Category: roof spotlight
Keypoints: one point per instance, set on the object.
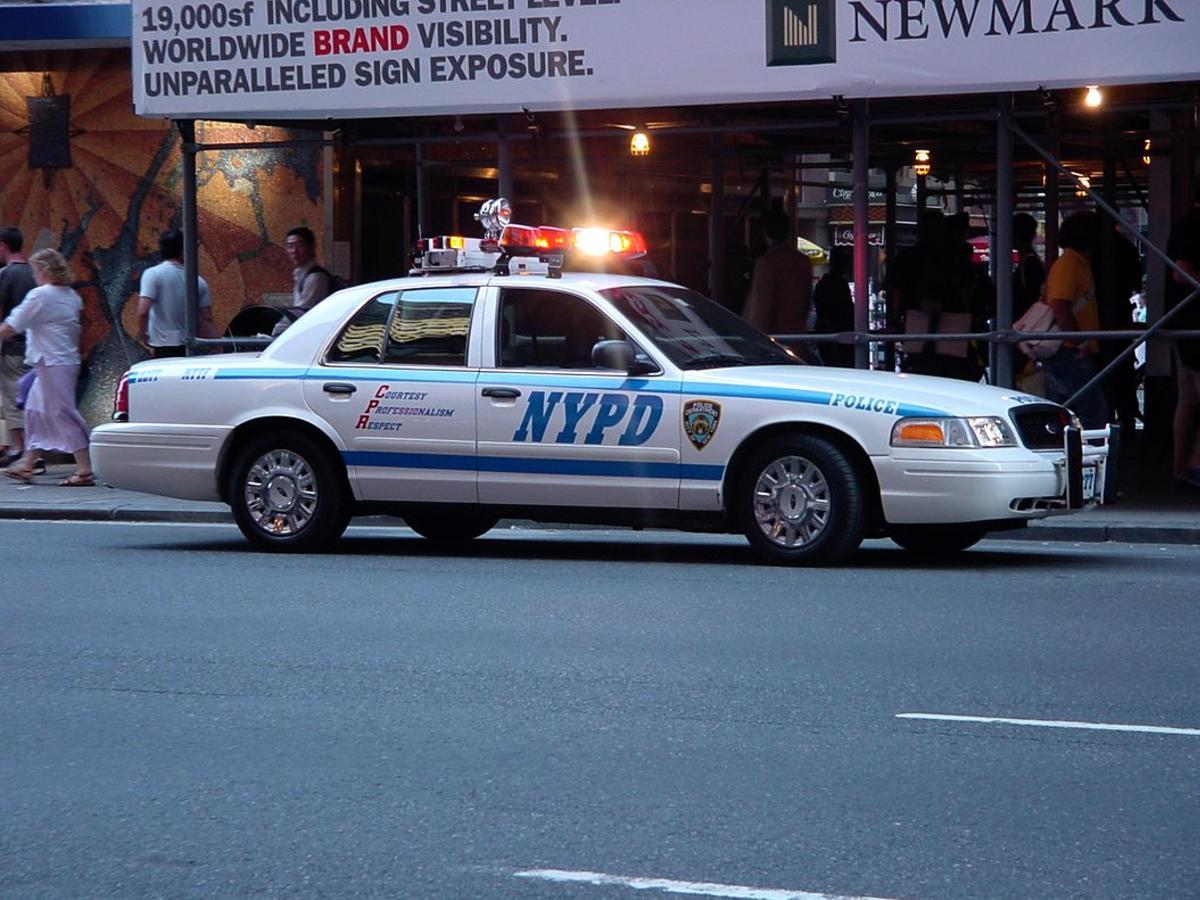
(494, 215)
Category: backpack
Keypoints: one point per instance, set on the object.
(336, 282)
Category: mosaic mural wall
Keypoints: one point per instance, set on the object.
(80, 173)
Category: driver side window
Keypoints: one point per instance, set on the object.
(540, 329)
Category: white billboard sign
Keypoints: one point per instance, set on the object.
(282, 59)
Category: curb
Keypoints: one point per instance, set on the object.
(1116, 534)
(117, 514)
(1083, 534)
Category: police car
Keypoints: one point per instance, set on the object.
(490, 383)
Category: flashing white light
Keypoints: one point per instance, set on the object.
(592, 241)
(1094, 98)
(639, 144)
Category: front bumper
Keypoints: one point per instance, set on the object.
(170, 460)
(940, 486)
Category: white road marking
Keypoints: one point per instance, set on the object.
(1051, 723)
(666, 885)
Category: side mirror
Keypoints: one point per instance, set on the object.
(619, 355)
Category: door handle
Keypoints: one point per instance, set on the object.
(340, 388)
(501, 393)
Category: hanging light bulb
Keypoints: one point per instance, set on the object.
(922, 166)
(639, 144)
(1094, 98)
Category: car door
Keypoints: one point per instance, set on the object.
(556, 430)
(396, 385)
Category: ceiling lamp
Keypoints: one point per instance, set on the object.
(639, 144)
(1094, 98)
(922, 166)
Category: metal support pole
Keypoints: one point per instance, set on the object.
(1052, 205)
(1002, 242)
(1158, 359)
(191, 255)
(422, 194)
(890, 215)
(922, 194)
(716, 225)
(862, 215)
(504, 159)
(1108, 239)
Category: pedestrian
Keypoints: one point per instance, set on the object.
(1071, 294)
(311, 282)
(1183, 246)
(162, 304)
(781, 286)
(1030, 274)
(50, 317)
(835, 308)
(16, 280)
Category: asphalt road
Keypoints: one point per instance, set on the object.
(181, 716)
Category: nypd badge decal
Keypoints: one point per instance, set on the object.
(700, 421)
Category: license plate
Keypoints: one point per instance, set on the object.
(1089, 483)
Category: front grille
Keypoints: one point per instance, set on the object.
(1041, 426)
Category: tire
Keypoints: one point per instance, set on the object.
(288, 493)
(936, 540)
(799, 503)
(450, 525)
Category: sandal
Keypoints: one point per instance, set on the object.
(21, 475)
(78, 480)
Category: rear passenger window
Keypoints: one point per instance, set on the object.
(430, 327)
(361, 341)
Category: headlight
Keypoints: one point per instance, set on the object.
(977, 431)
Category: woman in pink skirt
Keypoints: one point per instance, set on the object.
(49, 316)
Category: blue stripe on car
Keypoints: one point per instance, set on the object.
(532, 466)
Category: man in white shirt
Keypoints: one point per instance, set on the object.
(162, 317)
(311, 282)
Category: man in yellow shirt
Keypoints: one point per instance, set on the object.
(1071, 294)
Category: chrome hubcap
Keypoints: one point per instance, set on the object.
(791, 502)
(281, 492)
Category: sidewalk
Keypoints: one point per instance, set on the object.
(1149, 512)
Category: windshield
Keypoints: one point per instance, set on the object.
(693, 331)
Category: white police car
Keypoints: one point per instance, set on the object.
(458, 398)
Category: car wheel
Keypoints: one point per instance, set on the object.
(451, 526)
(287, 493)
(932, 540)
(799, 502)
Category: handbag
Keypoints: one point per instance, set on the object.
(1039, 317)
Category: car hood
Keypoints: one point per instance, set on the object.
(898, 393)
